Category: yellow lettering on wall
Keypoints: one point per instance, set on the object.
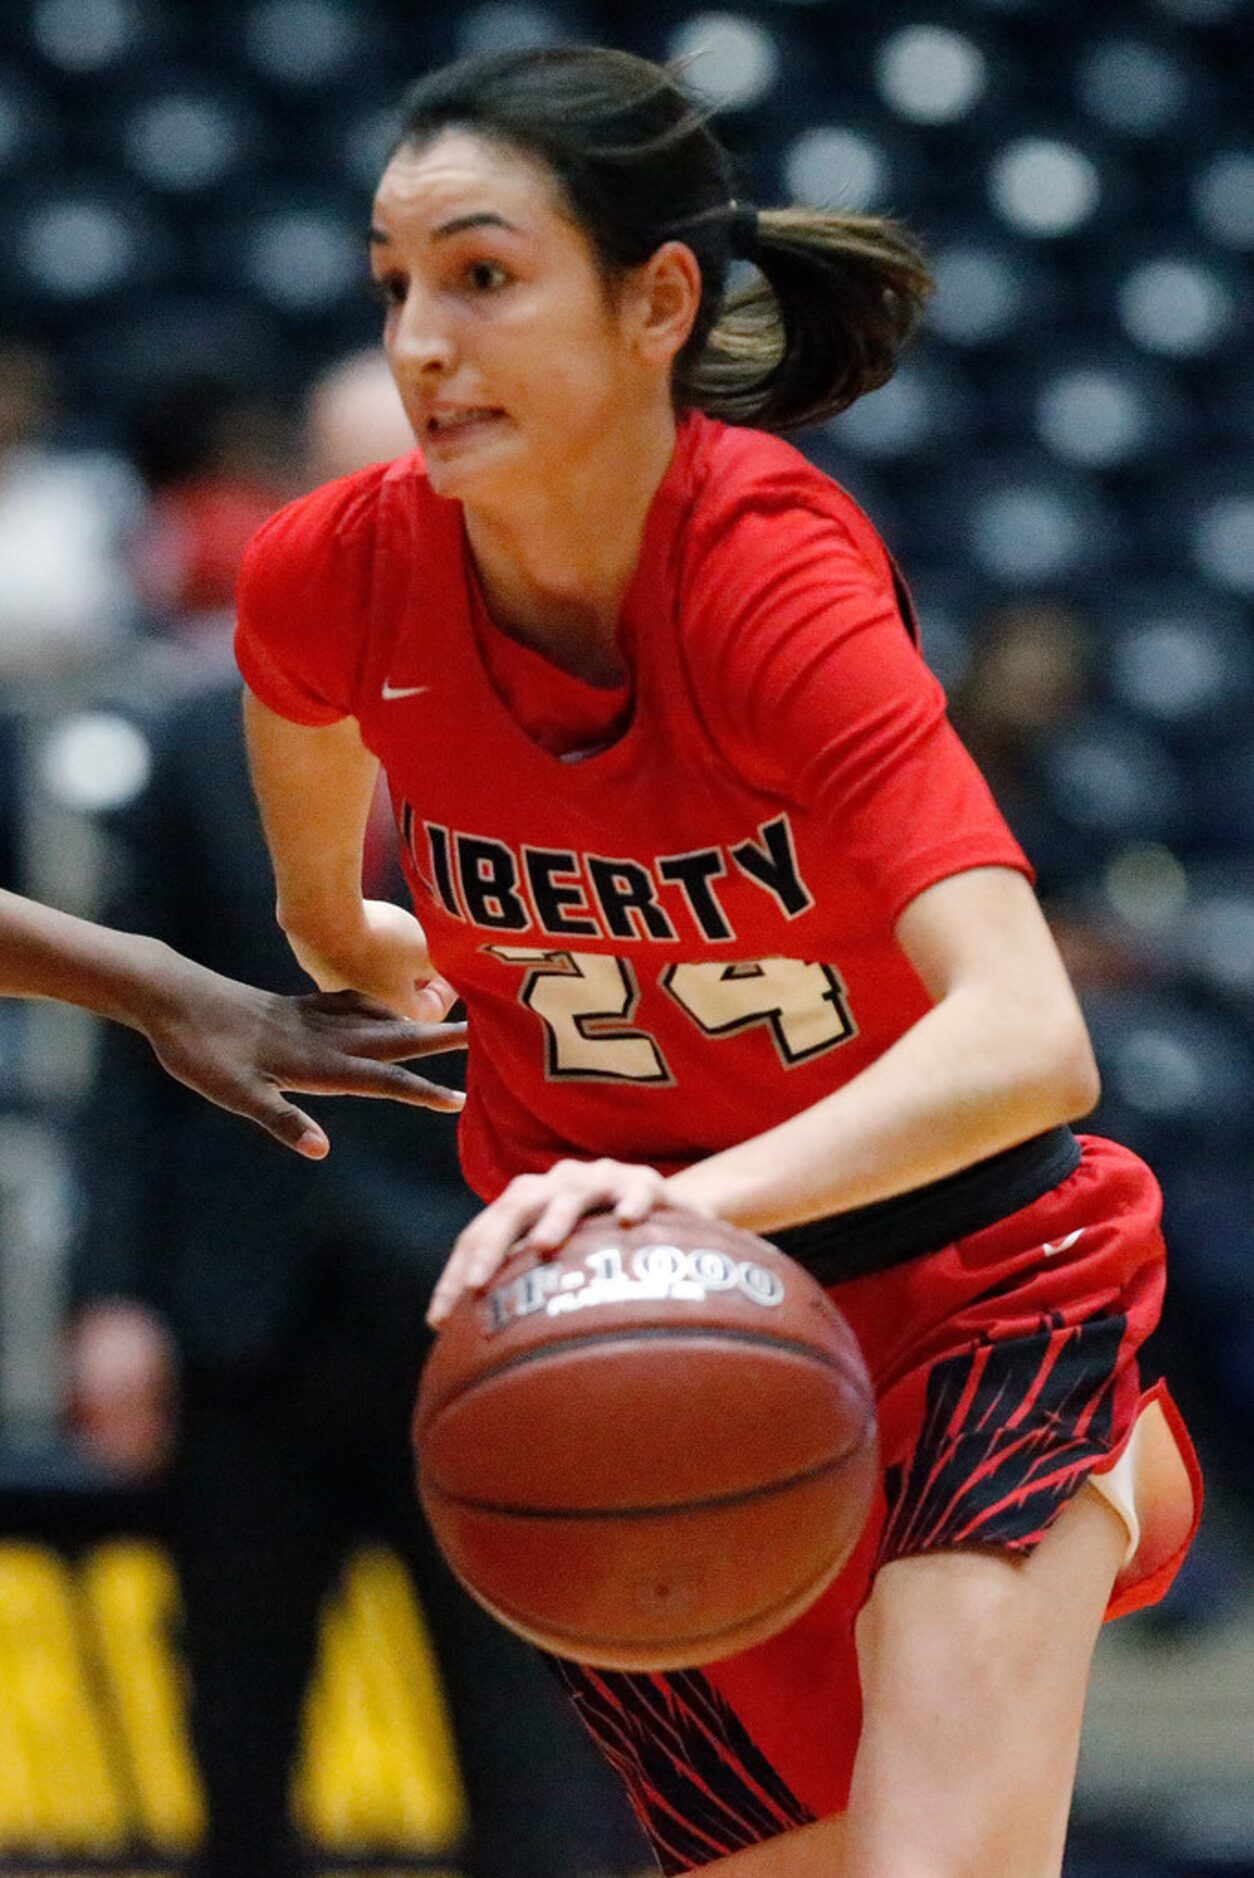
(94, 1749)
(131, 1595)
(60, 1786)
(378, 1767)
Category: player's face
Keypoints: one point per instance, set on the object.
(510, 354)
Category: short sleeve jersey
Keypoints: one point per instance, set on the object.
(672, 941)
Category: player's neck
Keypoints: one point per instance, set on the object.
(555, 566)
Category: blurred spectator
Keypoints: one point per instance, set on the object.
(217, 463)
(354, 417)
(256, 1329)
(65, 514)
(1028, 680)
(1027, 677)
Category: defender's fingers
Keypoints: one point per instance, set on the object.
(400, 1040)
(386, 1082)
(289, 1125)
(347, 1004)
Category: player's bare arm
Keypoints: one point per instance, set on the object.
(1003, 1055)
(314, 787)
(238, 1046)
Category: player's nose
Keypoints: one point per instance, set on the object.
(421, 344)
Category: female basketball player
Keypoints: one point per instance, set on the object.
(234, 1044)
(737, 927)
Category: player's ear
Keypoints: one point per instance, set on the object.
(663, 300)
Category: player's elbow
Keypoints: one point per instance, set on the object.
(1046, 1071)
(1064, 1069)
(1080, 1082)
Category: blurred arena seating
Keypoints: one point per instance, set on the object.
(184, 189)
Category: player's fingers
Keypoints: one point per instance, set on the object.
(289, 1125)
(388, 1082)
(434, 1000)
(447, 1291)
(539, 1215)
(400, 1040)
(638, 1199)
(560, 1217)
(482, 1248)
(489, 1251)
(497, 1227)
(455, 1280)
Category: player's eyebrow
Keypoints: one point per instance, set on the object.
(482, 218)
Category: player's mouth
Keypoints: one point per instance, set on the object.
(454, 424)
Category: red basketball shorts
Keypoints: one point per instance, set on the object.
(1006, 1375)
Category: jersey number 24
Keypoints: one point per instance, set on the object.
(587, 1000)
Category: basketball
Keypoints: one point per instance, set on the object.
(650, 1451)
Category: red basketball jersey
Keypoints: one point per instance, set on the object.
(677, 940)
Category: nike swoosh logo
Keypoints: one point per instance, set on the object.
(391, 691)
(1052, 1247)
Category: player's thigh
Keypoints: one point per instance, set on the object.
(817, 1851)
(974, 1670)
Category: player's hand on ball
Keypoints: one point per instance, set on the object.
(540, 1211)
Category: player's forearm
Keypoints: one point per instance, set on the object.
(980, 1072)
(45, 953)
(324, 944)
(320, 908)
(314, 787)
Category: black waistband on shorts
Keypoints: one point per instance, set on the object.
(910, 1225)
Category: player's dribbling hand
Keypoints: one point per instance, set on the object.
(539, 1212)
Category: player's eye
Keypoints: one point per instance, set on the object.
(389, 289)
(486, 276)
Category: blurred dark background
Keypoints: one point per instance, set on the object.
(1062, 467)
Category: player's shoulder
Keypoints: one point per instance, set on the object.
(325, 543)
(756, 496)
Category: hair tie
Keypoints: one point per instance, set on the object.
(743, 228)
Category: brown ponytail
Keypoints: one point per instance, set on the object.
(837, 295)
(836, 298)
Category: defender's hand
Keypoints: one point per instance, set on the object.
(241, 1047)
